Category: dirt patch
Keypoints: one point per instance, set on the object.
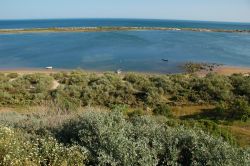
(181, 111)
(55, 85)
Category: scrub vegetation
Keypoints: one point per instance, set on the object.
(126, 119)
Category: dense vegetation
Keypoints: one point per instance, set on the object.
(135, 124)
(134, 90)
(191, 67)
(109, 138)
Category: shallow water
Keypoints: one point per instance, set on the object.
(128, 50)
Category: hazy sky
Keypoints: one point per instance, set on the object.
(216, 10)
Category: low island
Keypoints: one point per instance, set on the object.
(103, 29)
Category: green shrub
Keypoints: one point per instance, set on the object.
(212, 128)
(17, 149)
(78, 88)
(136, 112)
(237, 109)
(163, 109)
(110, 138)
(191, 67)
(212, 88)
(12, 75)
(113, 140)
(28, 89)
(241, 85)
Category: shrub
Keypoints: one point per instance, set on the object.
(212, 88)
(28, 89)
(136, 112)
(163, 109)
(237, 109)
(212, 128)
(135, 90)
(241, 85)
(191, 67)
(17, 149)
(113, 140)
(12, 75)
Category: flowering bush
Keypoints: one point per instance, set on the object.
(17, 149)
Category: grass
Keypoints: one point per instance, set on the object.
(239, 130)
(187, 110)
(242, 135)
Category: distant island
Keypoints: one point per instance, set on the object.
(103, 29)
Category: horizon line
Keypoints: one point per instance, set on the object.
(75, 18)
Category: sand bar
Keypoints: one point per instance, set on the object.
(103, 29)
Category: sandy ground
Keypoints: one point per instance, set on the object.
(55, 85)
(223, 70)
(23, 71)
(227, 70)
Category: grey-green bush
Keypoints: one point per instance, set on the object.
(110, 139)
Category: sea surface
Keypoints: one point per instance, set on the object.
(141, 51)
(13, 24)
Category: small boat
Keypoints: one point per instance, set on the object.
(49, 67)
(165, 60)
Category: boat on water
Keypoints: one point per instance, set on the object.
(165, 60)
(49, 67)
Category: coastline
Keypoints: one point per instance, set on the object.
(23, 71)
(221, 70)
(109, 29)
(229, 70)
(226, 70)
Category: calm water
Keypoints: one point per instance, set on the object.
(130, 51)
(10, 24)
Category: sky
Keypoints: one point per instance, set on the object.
(209, 10)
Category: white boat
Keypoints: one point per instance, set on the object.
(49, 67)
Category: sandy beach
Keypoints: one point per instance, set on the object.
(226, 70)
(23, 71)
(229, 70)
(222, 70)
